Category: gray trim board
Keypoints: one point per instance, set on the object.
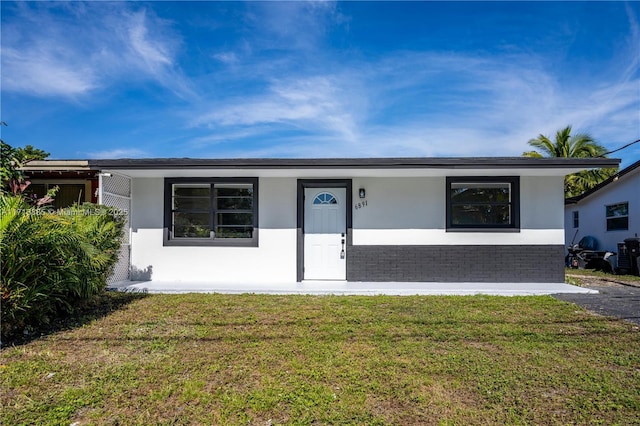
(353, 163)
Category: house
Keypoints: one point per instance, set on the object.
(77, 182)
(610, 212)
(344, 220)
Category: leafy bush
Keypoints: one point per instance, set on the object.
(102, 229)
(52, 260)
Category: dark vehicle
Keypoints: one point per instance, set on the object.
(585, 255)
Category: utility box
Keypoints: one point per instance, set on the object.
(624, 260)
(633, 250)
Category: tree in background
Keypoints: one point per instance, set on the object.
(29, 153)
(11, 160)
(565, 145)
(9, 167)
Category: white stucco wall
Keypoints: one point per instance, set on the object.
(411, 211)
(273, 261)
(592, 212)
(399, 211)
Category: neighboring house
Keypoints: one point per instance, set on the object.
(368, 219)
(77, 182)
(610, 212)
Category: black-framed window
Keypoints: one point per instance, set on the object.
(617, 216)
(576, 219)
(483, 203)
(211, 211)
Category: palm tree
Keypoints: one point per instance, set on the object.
(565, 145)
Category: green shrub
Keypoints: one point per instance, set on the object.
(52, 260)
(102, 229)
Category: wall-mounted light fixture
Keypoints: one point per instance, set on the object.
(361, 193)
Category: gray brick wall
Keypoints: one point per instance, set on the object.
(538, 263)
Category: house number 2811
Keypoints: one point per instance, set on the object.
(361, 204)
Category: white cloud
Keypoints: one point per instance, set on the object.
(633, 54)
(412, 102)
(226, 57)
(88, 51)
(276, 90)
(42, 72)
(312, 104)
(152, 52)
(299, 25)
(430, 104)
(118, 153)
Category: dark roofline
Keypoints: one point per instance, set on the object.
(357, 163)
(598, 187)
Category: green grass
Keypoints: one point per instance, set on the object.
(600, 274)
(257, 359)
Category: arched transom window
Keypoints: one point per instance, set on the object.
(325, 198)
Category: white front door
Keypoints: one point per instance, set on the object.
(325, 227)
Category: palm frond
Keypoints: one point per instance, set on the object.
(565, 145)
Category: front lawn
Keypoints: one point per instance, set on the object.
(604, 275)
(260, 360)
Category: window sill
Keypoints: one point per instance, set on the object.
(488, 230)
(203, 242)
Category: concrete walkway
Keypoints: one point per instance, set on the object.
(351, 288)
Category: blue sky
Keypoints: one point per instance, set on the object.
(317, 79)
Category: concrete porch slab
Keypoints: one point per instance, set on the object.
(351, 288)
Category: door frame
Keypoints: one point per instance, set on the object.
(320, 183)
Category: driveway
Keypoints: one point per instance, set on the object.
(614, 299)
